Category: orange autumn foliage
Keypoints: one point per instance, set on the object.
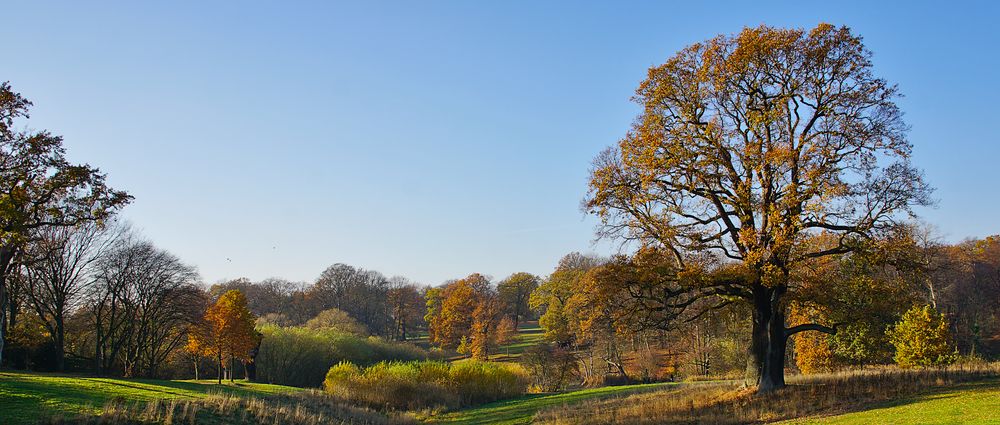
(226, 331)
(813, 353)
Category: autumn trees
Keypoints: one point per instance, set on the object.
(227, 332)
(474, 316)
(746, 146)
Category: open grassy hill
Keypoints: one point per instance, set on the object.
(26, 397)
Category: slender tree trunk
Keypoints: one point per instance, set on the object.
(220, 368)
(60, 345)
(6, 256)
(98, 350)
(195, 369)
(3, 314)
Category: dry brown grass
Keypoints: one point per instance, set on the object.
(304, 408)
(727, 403)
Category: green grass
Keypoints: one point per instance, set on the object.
(25, 396)
(973, 403)
(521, 410)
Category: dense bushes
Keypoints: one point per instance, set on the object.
(417, 385)
(301, 357)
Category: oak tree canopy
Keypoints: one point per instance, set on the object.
(747, 146)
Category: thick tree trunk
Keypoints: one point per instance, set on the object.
(766, 356)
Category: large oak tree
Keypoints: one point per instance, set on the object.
(747, 145)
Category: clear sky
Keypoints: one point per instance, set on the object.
(431, 139)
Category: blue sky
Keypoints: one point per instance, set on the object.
(431, 139)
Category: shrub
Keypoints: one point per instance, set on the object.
(551, 367)
(921, 338)
(336, 320)
(426, 384)
(301, 357)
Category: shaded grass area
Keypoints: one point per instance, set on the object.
(25, 397)
(521, 410)
(972, 403)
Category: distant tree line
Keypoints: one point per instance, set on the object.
(386, 307)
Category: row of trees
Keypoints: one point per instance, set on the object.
(904, 298)
(387, 307)
(104, 296)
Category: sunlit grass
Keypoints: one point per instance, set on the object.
(973, 403)
(26, 396)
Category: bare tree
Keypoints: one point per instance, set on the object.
(59, 266)
(142, 302)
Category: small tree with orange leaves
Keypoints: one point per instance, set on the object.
(228, 329)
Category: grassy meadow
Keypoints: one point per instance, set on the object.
(26, 397)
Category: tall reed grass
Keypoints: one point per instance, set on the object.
(305, 408)
(300, 357)
(426, 384)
